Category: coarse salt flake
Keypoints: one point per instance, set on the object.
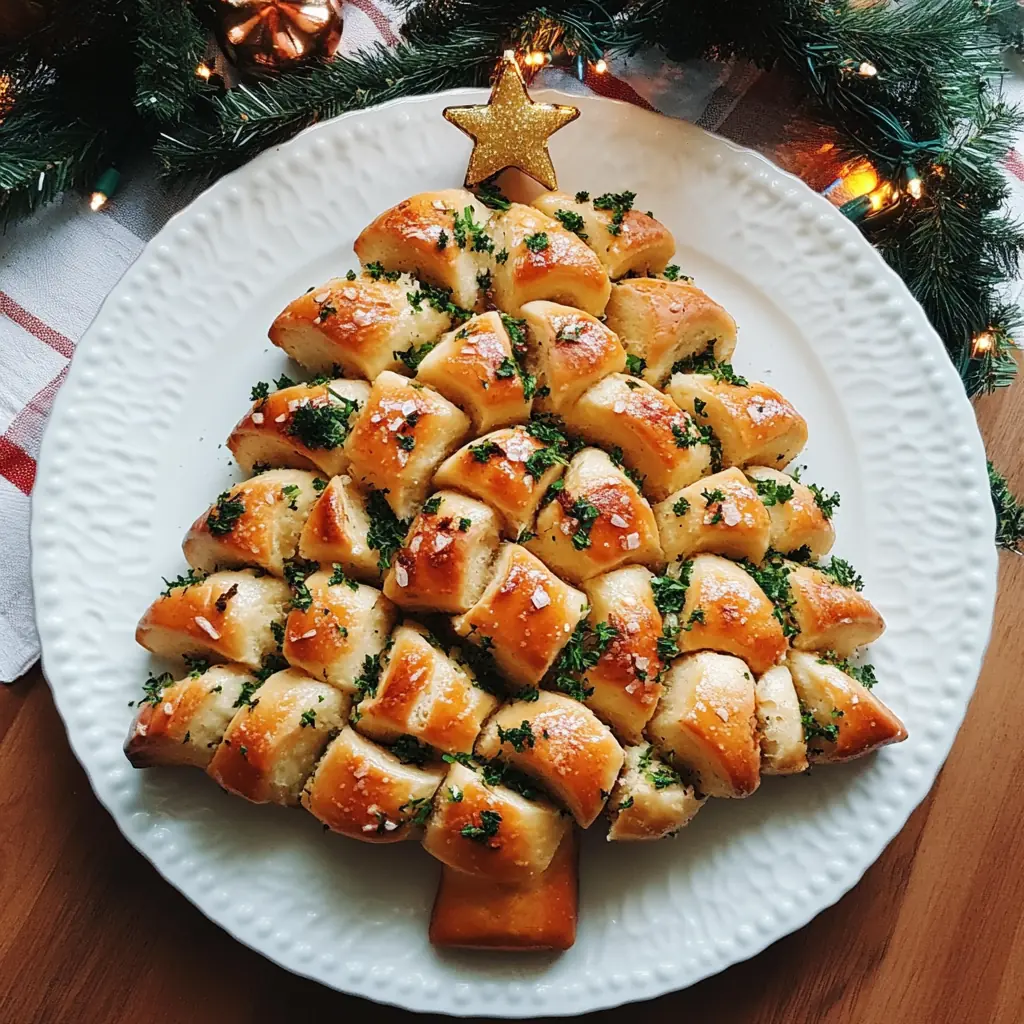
(257, 417)
(308, 634)
(518, 449)
(168, 707)
(321, 296)
(617, 520)
(730, 514)
(619, 406)
(401, 575)
(390, 826)
(207, 627)
(349, 293)
(417, 543)
(722, 713)
(631, 541)
(281, 418)
(408, 406)
(540, 598)
(441, 542)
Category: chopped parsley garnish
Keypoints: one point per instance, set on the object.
(483, 280)
(290, 492)
(525, 536)
(501, 257)
(248, 689)
(635, 365)
(699, 405)
(687, 435)
(671, 272)
(369, 676)
(387, 532)
(439, 299)
(338, 578)
(715, 497)
(327, 310)
(615, 454)
(771, 492)
(350, 275)
(405, 441)
(585, 513)
(618, 203)
(583, 651)
(814, 730)
(864, 674)
(224, 514)
(483, 451)
(260, 391)
(284, 381)
(658, 775)
(552, 492)
(626, 804)
(506, 368)
(413, 356)
(529, 694)
(319, 484)
(271, 663)
(706, 364)
(570, 333)
(308, 717)
(572, 221)
(190, 579)
(536, 242)
(154, 686)
(454, 795)
(490, 821)
(496, 773)
(410, 750)
(515, 328)
(442, 239)
(518, 738)
(670, 591)
(376, 271)
(468, 232)
(491, 196)
(681, 506)
(260, 467)
(772, 576)
(828, 503)
(840, 571)
(296, 570)
(277, 631)
(195, 664)
(419, 808)
(582, 197)
(323, 426)
(464, 524)
(431, 506)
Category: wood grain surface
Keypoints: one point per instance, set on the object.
(934, 933)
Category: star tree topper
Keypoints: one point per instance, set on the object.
(510, 130)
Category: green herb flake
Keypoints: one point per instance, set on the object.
(387, 532)
(222, 518)
(536, 242)
(308, 717)
(828, 503)
(290, 492)
(635, 366)
(518, 738)
(572, 221)
(490, 821)
(619, 203)
(338, 578)
(681, 506)
(771, 492)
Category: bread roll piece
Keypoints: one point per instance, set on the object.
(848, 719)
(705, 723)
(783, 750)
(476, 367)
(302, 427)
(425, 694)
(721, 514)
(569, 351)
(562, 744)
(358, 325)
(228, 616)
(491, 830)
(182, 723)
(650, 800)
(544, 261)
(663, 321)
(830, 617)
(274, 741)
(256, 522)
(625, 682)
(725, 610)
(796, 519)
(597, 522)
(753, 423)
(471, 912)
(345, 623)
(500, 469)
(363, 791)
(658, 440)
(524, 617)
(638, 244)
(445, 562)
(445, 238)
(337, 530)
(401, 436)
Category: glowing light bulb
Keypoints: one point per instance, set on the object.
(915, 187)
(601, 66)
(203, 71)
(860, 179)
(867, 69)
(97, 201)
(983, 343)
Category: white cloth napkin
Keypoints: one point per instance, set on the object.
(56, 269)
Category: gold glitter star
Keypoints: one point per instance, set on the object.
(510, 130)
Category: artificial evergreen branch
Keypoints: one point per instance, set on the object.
(170, 42)
(1009, 512)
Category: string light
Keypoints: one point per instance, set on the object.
(859, 179)
(203, 71)
(601, 66)
(982, 344)
(106, 186)
(912, 183)
(6, 95)
(867, 69)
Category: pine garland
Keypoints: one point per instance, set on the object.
(106, 80)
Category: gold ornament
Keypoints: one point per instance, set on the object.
(510, 130)
(273, 33)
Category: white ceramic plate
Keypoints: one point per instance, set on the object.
(133, 452)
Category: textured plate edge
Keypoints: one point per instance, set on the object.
(835, 889)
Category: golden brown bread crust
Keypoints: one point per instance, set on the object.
(363, 791)
(639, 244)
(622, 531)
(798, 522)
(665, 321)
(400, 437)
(705, 723)
(424, 693)
(540, 914)
(357, 325)
(464, 833)
(345, 623)
(408, 237)
(474, 366)
(720, 514)
(527, 613)
(493, 468)
(564, 270)
(649, 800)
(862, 722)
(569, 351)
(783, 750)
(225, 617)
(266, 534)
(443, 565)
(185, 724)
(337, 530)
(830, 617)
(658, 439)
(753, 423)
(625, 680)
(273, 743)
(562, 744)
(265, 433)
(727, 611)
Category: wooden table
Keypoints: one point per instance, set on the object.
(934, 933)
